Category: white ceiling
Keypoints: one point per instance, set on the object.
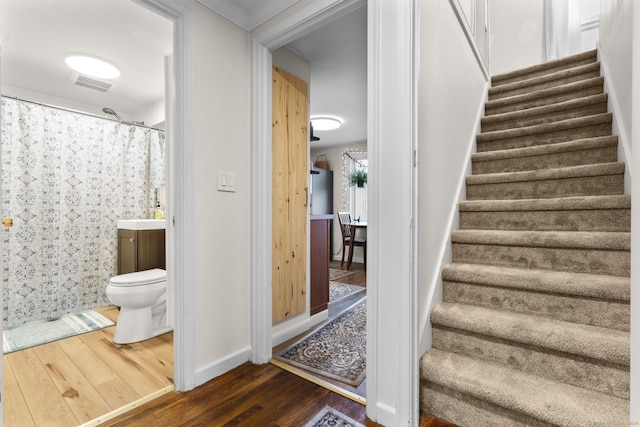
(248, 14)
(338, 87)
(36, 35)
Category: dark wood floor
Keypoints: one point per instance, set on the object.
(255, 395)
(250, 395)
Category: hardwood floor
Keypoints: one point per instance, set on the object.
(75, 380)
(250, 395)
(78, 379)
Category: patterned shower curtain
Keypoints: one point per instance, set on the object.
(67, 178)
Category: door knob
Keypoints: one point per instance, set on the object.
(7, 222)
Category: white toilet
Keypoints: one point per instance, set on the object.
(142, 298)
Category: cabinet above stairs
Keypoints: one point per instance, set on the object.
(533, 329)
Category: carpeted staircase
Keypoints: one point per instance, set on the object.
(533, 329)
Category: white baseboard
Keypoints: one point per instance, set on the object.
(221, 366)
(385, 414)
(282, 333)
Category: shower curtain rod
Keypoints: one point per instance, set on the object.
(84, 113)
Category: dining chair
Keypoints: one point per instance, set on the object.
(345, 226)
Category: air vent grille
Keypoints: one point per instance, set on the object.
(90, 83)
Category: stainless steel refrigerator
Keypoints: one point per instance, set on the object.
(321, 191)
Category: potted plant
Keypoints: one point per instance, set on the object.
(358, 177)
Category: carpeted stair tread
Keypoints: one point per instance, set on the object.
(582, 88)
(548, 174)
(464, 410)
(544, 68)
(575, 145)
(602, 149)
(621, 201)
(519, 393)
(540, 131)
(603, 118)
(594, 342)
(533, 327)
(577, 284)
(508, 293)
(575, 251)
(545, 81)
(587, 213)
(619, 241)
(571, 181)
(588, 105)
(610, 220)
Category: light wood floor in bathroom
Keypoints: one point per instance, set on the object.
(75, 380)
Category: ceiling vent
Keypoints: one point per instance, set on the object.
(91, 83)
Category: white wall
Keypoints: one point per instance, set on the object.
(287, 60)
(517, 34)
(620, 58)
(635, 226)
(334, 155)
(222, 83)
(616, 33)
(152, 114)
(452, 90)
(30, 95)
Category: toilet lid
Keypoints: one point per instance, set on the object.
(139, 278)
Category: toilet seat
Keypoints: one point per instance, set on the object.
(139, 278)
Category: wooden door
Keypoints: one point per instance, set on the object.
(290, 174)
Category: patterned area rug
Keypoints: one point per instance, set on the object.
(338, 290)
(329, 417)
(335, 273)
(42, 332)
(336, 350)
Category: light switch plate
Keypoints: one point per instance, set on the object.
(226, 181)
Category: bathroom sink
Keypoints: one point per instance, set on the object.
(142, 224)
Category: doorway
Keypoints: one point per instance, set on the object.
(333, 60)
(392, 370)
(78, 105)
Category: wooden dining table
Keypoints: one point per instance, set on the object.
(355, 225)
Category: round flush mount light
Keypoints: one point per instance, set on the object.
(325, 123)
(92, 66)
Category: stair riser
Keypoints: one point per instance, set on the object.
(579, 186)
(562, 220)
(467, 411)
(547, 161)
(614, 263)
(527, 120)
(570, 369)
(496, 93)
(587, 311)
(541, 101)
(544, 72)
(544, 138)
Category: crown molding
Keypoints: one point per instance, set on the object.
(247, 17)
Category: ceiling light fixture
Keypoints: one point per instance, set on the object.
(92, 66)
(325, 123)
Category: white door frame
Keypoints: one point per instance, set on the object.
(181, 190)
(392, 360)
